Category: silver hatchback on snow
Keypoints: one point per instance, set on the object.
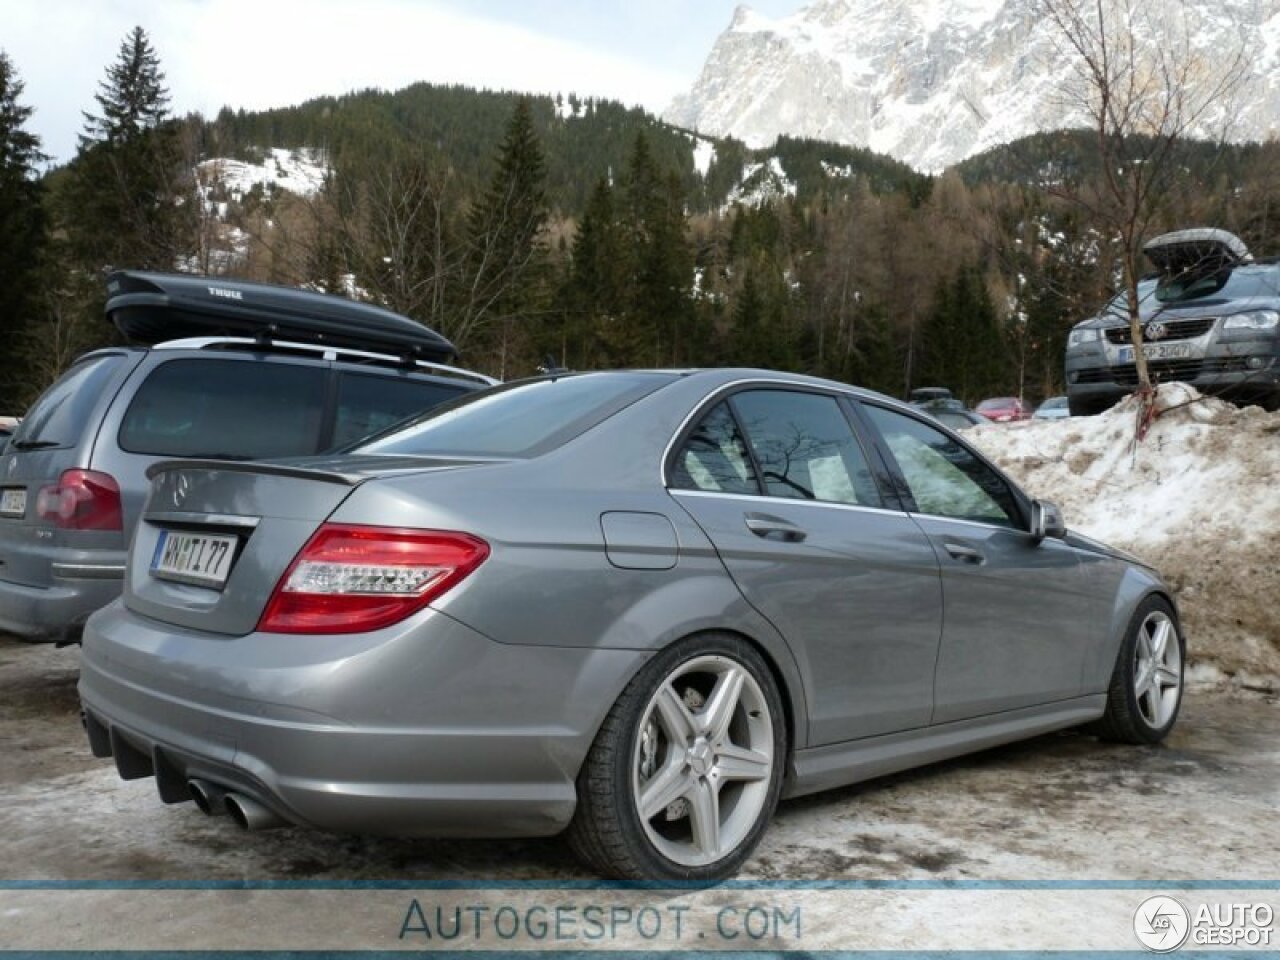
(639, 606)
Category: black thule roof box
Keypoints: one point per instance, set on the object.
(150, 308)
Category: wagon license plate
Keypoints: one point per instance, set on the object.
(1158, 351)
(13, 502)
(203, 559)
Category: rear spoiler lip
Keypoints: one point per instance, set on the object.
(256, 466)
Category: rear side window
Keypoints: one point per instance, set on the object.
(714, 457)
(369, 404)
(805, 447)
(230, 409)
(519, 419)
(63, 411)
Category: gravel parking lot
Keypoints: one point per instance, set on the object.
(1059, 807)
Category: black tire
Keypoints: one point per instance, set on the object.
(606, 830)
(1124, 720)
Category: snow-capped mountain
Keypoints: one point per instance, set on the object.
(931, 82)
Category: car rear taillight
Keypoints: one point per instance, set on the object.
(349, 579)
(81, 500)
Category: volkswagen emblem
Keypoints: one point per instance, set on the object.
(1156, 330)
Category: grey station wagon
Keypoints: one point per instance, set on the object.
(636, 606)
(73, 478)
(1210, 317)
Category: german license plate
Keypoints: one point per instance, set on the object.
(13, 502)
(1158, 351)
(203, 559)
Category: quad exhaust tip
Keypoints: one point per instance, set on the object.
(211, 799)
(249, 814)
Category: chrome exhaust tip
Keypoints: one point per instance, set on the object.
(250, 814)
(211, 799)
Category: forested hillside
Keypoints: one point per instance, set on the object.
(592, 234)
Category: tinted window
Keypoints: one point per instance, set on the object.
(714, 457)
(61, 413)
(945, 479)
(1258, 280)
(369, 404)
(805, 447)
(226, 408)
(519, 419)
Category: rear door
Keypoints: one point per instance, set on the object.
(1018, 613)
(782, 487)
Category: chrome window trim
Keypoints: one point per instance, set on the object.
(765, 498)
(202, 519)
(917, 515)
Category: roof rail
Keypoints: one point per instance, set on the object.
(324, 351)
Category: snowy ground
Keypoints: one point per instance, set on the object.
(1199, 498)
(1029, 811)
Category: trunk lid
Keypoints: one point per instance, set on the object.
(264, 512)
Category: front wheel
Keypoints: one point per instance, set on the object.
(686, 770)
(1146, 685)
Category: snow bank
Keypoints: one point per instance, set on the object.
(298, 171)
(1199, 499)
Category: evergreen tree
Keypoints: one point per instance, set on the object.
(661, 259)
(123, 206)
(22, 223)
(507, 280)
(132, 98)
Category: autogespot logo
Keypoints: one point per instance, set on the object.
(1161, 924)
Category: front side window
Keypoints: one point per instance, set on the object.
(227, 409)
(945, 478)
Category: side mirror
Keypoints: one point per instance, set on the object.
(1046, 521)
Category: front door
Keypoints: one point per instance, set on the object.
(1018, 613)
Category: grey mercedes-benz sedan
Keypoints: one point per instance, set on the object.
(637, 606)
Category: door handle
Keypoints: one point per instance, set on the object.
(964, 554)
(766, 527)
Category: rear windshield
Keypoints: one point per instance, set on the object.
(60, 415)
(521, 419)
(227, 409)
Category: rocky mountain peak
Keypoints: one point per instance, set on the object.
(931, 82)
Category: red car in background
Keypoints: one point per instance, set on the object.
(1004, 409)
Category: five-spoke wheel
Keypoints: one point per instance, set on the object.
(1146, 686)
(686, 770)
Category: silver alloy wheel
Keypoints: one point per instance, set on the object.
(703, 760)
(1157, 669)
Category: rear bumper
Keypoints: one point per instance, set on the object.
(425, 730)
(58, 613)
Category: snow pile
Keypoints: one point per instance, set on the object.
(298, 171)
(1199, 499)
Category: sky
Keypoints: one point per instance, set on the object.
(268, 53)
